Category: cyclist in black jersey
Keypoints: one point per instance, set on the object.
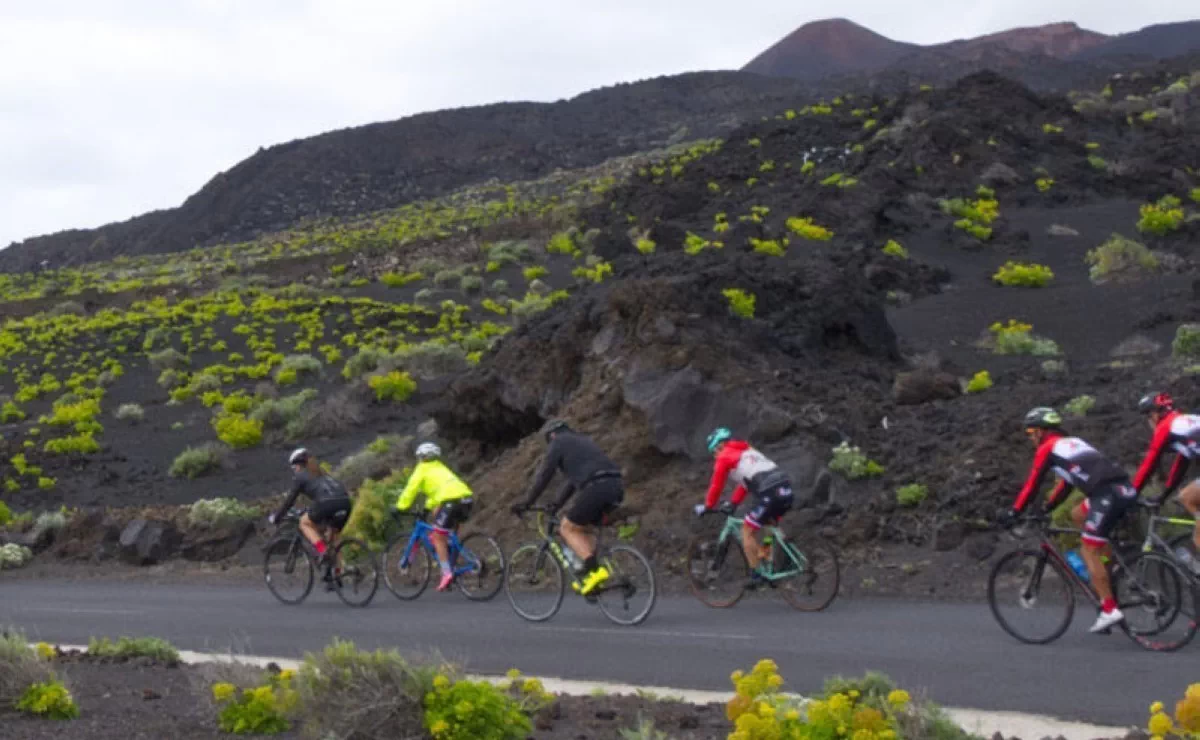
(331, 504)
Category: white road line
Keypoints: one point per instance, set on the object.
(59, 610)
(658, 633)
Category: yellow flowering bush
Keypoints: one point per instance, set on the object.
(1186, 721)
(48, 699)
(262, 710)
(44, 651)
(473, 710)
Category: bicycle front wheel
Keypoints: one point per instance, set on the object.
(483, 562)
(1031, 596)
(535, 582)
(288, 570)
(631, 591)
(406, 567)
(356, 573)
(815, 585)
(1159, 602)
(717, 571)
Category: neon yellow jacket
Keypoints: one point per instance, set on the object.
(436, 482)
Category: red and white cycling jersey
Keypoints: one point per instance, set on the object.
(1075, 462)
(749, 469)
(1176, 432)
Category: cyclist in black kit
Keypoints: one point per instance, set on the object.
(598, 482)
(330, 503)
(1109, 493)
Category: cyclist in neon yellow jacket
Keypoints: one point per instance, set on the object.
(446, 495)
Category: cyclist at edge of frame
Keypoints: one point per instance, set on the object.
(1174, 431)
(446, 495)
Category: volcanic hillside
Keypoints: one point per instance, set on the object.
(840, 275)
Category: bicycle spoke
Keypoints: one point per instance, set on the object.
(535, 582)
(717, 571)
(1031, 596)
(406, 581)
(358, 578)
(810, 574)
(631, 591)
(480, 570)
(288, 571)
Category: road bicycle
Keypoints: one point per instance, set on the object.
(408, 562)
(1151, 590)
(350, 568)
(806, 576)
(1155, 542)
(537, 574)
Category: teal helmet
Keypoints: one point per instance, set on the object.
(719, 435)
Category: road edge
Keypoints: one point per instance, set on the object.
(984, 723)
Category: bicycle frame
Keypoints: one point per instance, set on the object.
(420, 534)
(546, 528)
(733, 529)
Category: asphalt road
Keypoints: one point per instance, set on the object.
(956, 653)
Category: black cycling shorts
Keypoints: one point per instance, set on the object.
(1104, 509)
(596, 500)
(451, 514)
(332, 512)
(771, 506)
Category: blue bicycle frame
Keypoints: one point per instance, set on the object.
(420, 534)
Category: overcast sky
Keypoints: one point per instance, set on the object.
(110, 108)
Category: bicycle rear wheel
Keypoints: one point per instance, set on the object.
(631, 591)
(485, 559)
(288, 570)
(406, 580)
(356, 573)
(717, 571)
(1026, 581)
(535, 582)
(816, 585)
(1158, 601)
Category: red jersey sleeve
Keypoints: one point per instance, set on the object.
(739, 494)
(1057, 495)
(1175, 477)
(1158, 444)
(1041, 464)
(726, 461)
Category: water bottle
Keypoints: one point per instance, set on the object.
(1078, 565)
(572, 558)
(1185, 556)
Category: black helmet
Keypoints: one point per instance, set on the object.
(1043, 417)
(1156, 402)
(554, 425)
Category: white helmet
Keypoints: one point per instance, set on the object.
(428, 450)
(299, 456)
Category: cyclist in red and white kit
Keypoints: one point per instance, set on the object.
(1177, 432)
(755, 474)
(1105, 483)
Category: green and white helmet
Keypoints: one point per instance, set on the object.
(1043, 417)
(719, 435)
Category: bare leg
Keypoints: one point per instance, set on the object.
(442, 547)
(1091, 555)
(750, 545)
(577, 538)
(1190, 498)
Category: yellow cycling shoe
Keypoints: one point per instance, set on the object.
(593, 580)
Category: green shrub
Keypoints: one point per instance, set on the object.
(1024, 275)
(912, 494)
(395, 386)
(20, 665)
(806, 229)
(168, 359)
(5, 514)
(1118, 258)
(741, 303)
(561, 243)
(10, 412)
(853, 464)
(48, 699)
(154, 648)
(1161, 218)
(378, 459)
(473, 710)
(366, 360)
(237, 431)
(980, 382)
(130, 412)
(1195, 195)
(471, 284)
(1097, 162)
(13, 556)
(1044, 184)
(171, 378)
(79, 444)
(398, 279)
(371, 519)
(348, 693)
(894, 249)
(1016, 338)
(1079, 406)
(535, 272)
(446, 278)
(301, 364)
(500, 286)
(278, 413)
(260, 710)
(1186, 344)
(284, 376)
(427, 359)
(768, 246)
(645, 246)
(218, 512)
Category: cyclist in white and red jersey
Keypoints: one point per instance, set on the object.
(1174, 431)
(753, 473)
(1106, 485)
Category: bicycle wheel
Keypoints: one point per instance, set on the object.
(408, 580)
(535, 582)
(1152, 594)
(816, 585)
(1026, 580)
(717, 571)
(288, 570)
(482, 554)
(356, 573)
(631, 591)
